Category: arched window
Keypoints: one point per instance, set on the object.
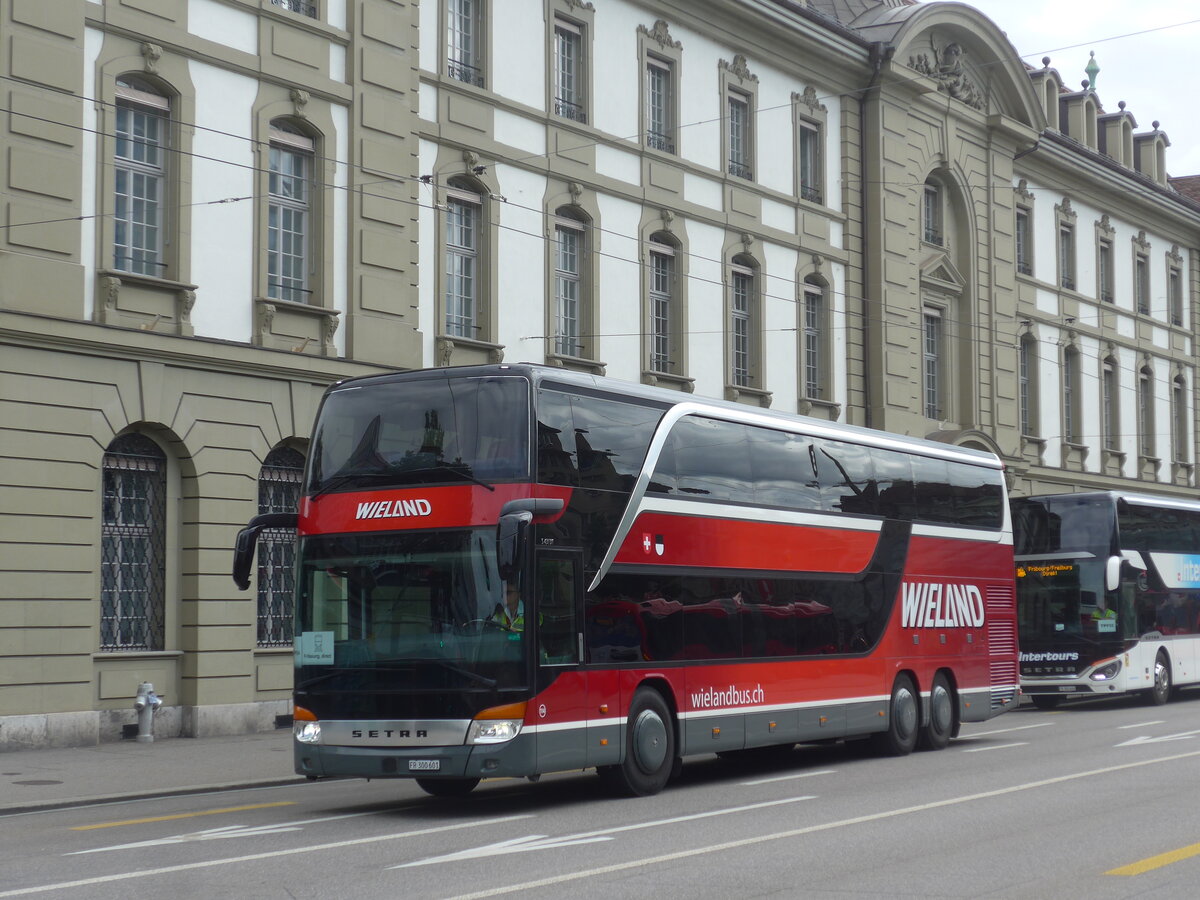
(140, 155)
(290, 216)
(132, 545)
(278, 491)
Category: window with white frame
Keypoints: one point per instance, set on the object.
(740, 130)
(1027, 384)
(1175, 294)
(1104, 272)
(931, 214)
(743, 306)
(289, 214)
(465, 41)
(1109, 404)
(143, 118)
(1071, 397)
(1066, 255)
(1180, 433)
(570, 244)
(1146, 411)
(661, 296)
(660, 104)
(569, 72)
(463, 237)
(1024, 241)
(808, 149)
(814, 348)
(933, 362)
(1141, 283)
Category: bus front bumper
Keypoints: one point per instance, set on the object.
(515, 758)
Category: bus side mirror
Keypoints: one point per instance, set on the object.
(247, 539)
(512, 531)
(1112, 573)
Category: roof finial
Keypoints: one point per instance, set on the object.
(1092, 69)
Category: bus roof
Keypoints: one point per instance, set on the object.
(553, 376)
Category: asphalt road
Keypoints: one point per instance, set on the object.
(1096, 800)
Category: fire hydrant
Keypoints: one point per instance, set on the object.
(146, 704)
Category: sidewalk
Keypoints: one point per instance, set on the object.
(44, 779)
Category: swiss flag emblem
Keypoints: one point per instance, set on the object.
(647, 542)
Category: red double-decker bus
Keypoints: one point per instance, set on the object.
(514, 569)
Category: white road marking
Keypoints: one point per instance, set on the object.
(1142, 724)
(812, 829)
(542, 842)
(787, 777)
(1146, 739)
(250, 857)
(995, 747)
(975, 734)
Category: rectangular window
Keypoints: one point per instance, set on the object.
(568, 72)
(464, 57)
(739, 124)
(1070, 400)
(1066, 256)
(1024, 242)
(1105, 271)
(1108, 402)
(462, 261)
(1180, 417)
(567, 267)
(1141, 284)
(1175, 295)
(1025, 385)
(932, 358)
(740, 324)
(660, 105)
(142, 126)
(814, 366)
(297, 6)
(662, 283)
(809, 152)
(931, 215)
(288, 219)
(1146, 413)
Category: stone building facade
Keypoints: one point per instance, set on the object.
(868, 212)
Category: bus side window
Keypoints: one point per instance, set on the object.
(783, 472)
(894, 481)
(556, 439)
(935, 499)
(847, 477)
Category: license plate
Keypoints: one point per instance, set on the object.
(424, 765)
(1067, 688)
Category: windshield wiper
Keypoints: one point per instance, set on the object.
(443, 469)
(347, 477)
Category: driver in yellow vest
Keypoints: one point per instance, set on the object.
(511, 613)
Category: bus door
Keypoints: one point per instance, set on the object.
(560, 709)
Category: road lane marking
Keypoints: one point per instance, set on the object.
(1142, 724)
(206, 812)
(1157, 862)
(544, 842)
(787, 777)
(811, 829)
(995, 747)
(251, 857)
(976, 734)
(1161, 739)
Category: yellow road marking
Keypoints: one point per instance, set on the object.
(207, 812)
(1157, 862)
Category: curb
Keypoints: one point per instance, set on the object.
(31, 806)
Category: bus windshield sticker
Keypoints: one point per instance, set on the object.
(316, 648)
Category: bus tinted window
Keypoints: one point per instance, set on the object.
(894, 480)
(708, 458)
(847, 477)
(978, 496)
(935, 499)
(783, 471)
(1158, 528)
(556, 439)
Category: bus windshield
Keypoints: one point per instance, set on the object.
(412, 611)
(422, 431)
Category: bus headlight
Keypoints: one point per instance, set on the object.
(497, 725)
(305, 727)
(1108, 671)
(493, 731)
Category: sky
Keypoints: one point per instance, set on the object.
(1145, 50)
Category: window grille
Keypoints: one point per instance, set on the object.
(132, 541)
(279, 484)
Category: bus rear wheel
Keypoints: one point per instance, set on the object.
(1161, 692)
(649, 748)
(936, 735)
(904, 720)
(447, 787)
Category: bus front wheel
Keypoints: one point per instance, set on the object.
(936, 735)
(649, 748)
(447, 787)
(1161, 692)
(904, 720)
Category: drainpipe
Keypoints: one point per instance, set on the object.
(879, 53)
